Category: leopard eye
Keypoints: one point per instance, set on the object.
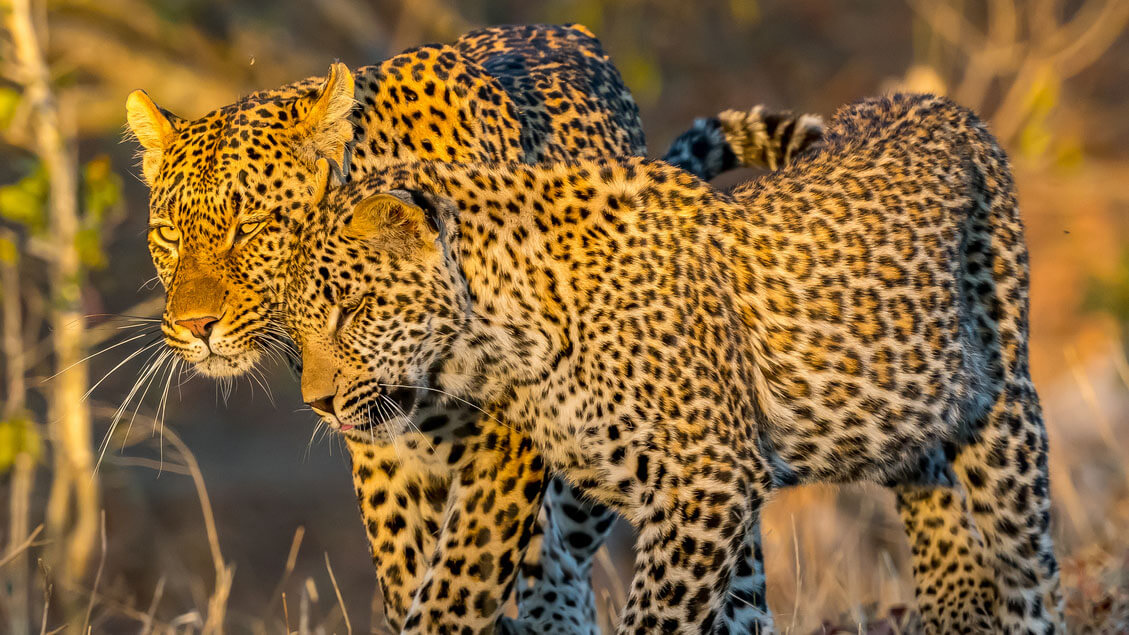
(246, 229)
(168, 234)
(348, 312)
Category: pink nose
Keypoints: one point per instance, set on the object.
(201, 327)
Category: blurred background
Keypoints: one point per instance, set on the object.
(232, 516)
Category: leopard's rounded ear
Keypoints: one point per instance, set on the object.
(153, 126)
(321, 180)
(326, 129)
(387, 213)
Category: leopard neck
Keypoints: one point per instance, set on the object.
(519, 318)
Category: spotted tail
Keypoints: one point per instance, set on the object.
(757, 138)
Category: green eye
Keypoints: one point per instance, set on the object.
(168, 234)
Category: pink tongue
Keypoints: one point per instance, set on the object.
(346, 426)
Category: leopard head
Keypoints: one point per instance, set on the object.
(373, 297)
(222, 190)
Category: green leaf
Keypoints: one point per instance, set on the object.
(101, 198)
(643, 77)
(88, 242)
(9, 100)
(1037, 135)
(9, 252)
(18, 435)
(102, 188)
(1111, 294)
(745, 12)
(25, 201)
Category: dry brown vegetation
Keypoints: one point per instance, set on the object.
(220, 512)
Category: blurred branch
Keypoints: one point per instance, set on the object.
(72, 529)
(1067, 50)
(17, 598)
(1052, 51)
(12, 342)
(1078, 43)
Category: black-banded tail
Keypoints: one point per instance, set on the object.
(757, 138)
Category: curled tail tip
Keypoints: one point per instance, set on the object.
(757, 138)
(769, 139)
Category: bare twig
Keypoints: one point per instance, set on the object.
(12, 341)
(48, 588)
(285, 612)
(291, 561)
(97, 575)
(147, 623)
(799, 575)
(309, 592)
(20, 548)
(109, 603)
(217, 604)
(158, 466)
(340, 600)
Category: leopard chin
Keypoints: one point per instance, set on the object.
(225, 366)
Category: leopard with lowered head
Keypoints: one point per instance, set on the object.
(223, 187)
(680, 353)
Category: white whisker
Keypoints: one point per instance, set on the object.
(452, 396)
(142, 383)
(93, 355)
(132, 355)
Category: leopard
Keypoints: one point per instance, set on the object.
(680, 353)
(224, 186)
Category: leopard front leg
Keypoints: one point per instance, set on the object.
(487, 528)
(555, 585)
(402, 503)
(746, 606)
(692, 519)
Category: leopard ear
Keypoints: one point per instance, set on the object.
(326, 129)
(153, 126)
(321, 180)
(390, 215)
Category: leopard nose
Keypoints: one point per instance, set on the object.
(322, 405)
(201, 327)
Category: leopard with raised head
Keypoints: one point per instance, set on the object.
(679, 353)
(223, 187)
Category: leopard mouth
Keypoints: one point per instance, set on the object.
(381, 407)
